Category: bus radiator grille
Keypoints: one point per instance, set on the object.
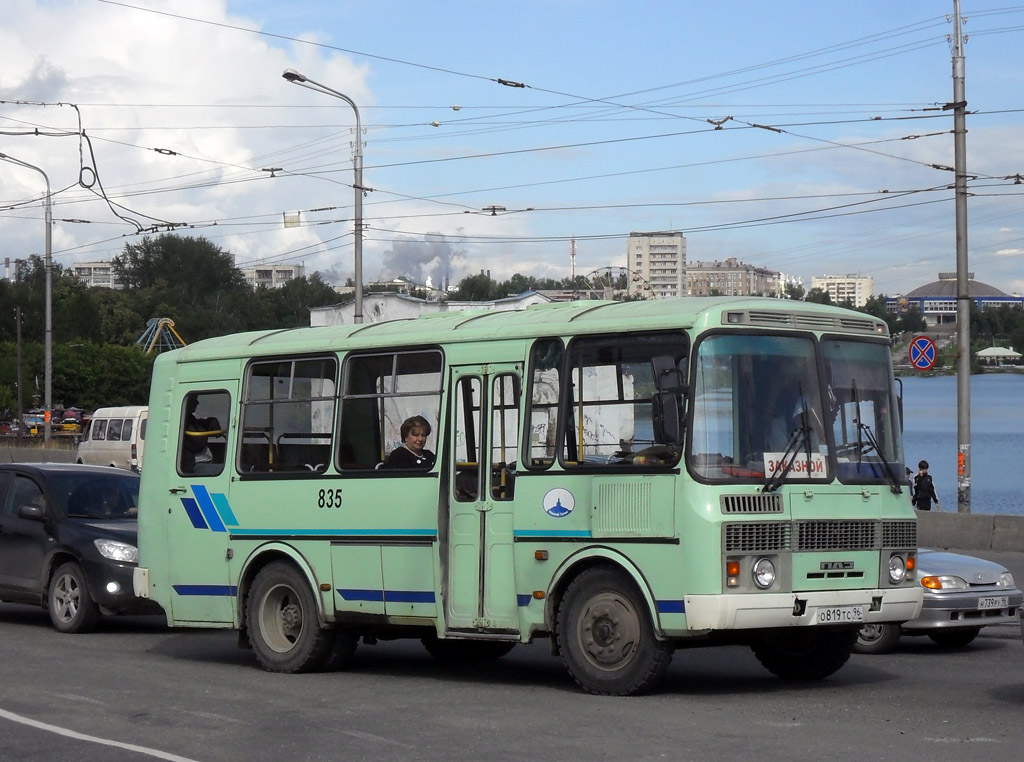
(756, 536)
(837, 535)
(733, 504)
(899, 534)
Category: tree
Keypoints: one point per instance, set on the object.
(818, 296)
(475, 288)
(794, 291)
(189, 280)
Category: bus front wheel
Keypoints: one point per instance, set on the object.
(807, 653)
(281, 617)
(606, 636)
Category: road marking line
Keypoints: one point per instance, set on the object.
(93, 739)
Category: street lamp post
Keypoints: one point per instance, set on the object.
(300, 79)
(48, 334)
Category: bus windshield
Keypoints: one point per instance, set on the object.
(865, 420)
(760, 412)
(757, 409)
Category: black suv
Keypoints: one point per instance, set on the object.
(68, 541)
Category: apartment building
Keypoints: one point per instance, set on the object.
(272, 276)
(856, 289)
(659, 259)
(96, 274)
(731, 277)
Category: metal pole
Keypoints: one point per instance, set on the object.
(963, 304)
(48, 333)
(21, 411)
(301, 79)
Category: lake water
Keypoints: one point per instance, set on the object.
(997, 438)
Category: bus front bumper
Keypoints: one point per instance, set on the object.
(749, 611)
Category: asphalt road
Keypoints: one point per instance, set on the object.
(136, 690)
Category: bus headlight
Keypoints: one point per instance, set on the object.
(763, 573)
(897, 569)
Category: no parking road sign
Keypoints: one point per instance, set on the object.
(922, 353)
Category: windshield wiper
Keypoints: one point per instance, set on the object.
(863, 428)
(896, 488)
(802, 436)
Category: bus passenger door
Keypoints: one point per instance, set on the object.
(199, 516)
(479, 576)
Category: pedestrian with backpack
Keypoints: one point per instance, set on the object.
(924, 489)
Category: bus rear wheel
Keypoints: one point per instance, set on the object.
(606, 636)
(281, 617)
(807, 653)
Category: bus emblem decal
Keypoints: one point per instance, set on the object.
(559, 503)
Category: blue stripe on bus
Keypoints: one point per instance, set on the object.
(524, 600)
(671, 607)
(215, 590)
(376, 596)
(432, 533)
(409, 596)
(552, 533)
(391, 596)
(220, 500)
(194, 514)
(206, 506)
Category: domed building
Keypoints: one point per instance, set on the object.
(937, 300)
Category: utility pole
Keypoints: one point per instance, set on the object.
(963, 303)
(21, 411)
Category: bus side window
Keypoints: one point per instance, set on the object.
(288, 415)
(204, 418)
(542, 419)
(611, 390)
(379, 392)
(467, 439)
(504, 435)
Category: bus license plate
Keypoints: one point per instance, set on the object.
(841, 615)
(994, 602)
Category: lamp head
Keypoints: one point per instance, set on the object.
(293, 76)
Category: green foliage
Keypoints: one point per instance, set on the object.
(795, 291)
(818, 296)
(85, 375)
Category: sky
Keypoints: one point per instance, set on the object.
(800, 136)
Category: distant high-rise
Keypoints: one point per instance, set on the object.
(855, 289)
(660, 259)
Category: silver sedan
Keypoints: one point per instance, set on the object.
(962, 594)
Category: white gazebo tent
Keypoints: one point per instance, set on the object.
(998, 355)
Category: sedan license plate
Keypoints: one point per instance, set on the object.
(840, 615)
(994, 602)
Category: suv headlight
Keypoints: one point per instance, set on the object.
(117, 551)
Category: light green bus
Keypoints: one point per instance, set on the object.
(623, 478)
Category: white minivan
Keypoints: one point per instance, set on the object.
(115, 437)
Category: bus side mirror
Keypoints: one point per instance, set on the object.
(668, 377)
(666, 418)
(899, 401)
(666, 406)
